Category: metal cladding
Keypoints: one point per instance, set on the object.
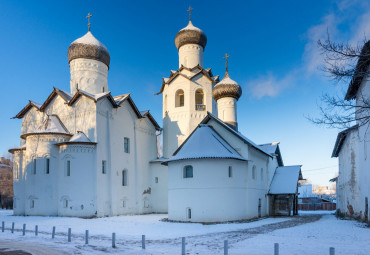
(190, 36)
(222, 90)
(89, 51)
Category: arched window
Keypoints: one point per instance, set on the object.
(199, 100)
(188, 171)
(68, 167)
(124, 178)
(254, 172)
(179, 102)
(261, 174)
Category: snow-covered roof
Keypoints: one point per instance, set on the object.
(89, 39)
(190, 26)
(35, 104)
(80, 137)
(227, 81)
(237, 133)
(119, 99)
(270, 147)
(285, 180)
(205, 142)
(51, 125)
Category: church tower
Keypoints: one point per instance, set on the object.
(89, 64)
(226, 93)
(187, 93)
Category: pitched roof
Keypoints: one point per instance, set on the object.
(285, 180)
(28, 107)
(204, 142)
(70, 100)
(200, 70)
(340, 140)
(360, 72)
(273, 149)
(78, 138)
(51, 125)
(210, 116)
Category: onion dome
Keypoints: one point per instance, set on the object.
(227, 87)
(88, 47)
(190, 35)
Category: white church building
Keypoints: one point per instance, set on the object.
(86, 153)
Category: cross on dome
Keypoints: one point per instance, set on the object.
(226, 57)
(88, 17)
(189, 10)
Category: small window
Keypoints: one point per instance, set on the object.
(124, 178)
(103, 89)
(32, 205)
(254, 172)
(189, 213)
(123, 203)
(47, 165)
(127, 144)
(156, 179)
(179, 98)
(188, 172)
(103, 167)
(261, 174)
(230, 172)
(68, 168)
(34, 166)
(65, 203)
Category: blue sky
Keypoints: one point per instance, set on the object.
(272, 45)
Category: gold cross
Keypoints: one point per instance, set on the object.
(189, 10)
(88, 17)
(225, 57)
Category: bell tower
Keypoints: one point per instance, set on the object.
(187, 93)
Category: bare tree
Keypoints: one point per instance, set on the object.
(348, 64)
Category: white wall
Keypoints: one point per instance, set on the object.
(348, 188)
(90, 75)
(191, 55)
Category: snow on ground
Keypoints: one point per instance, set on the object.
(314, 237)
(126, 226)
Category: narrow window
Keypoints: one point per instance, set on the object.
(77, 85)
(179, 98)
(32, 205)
(127, 144)
(188, 172)
(230, 172)
(47, 165)
(199, 100)
(103, 90)
(16, 171)
(124, 178)
(261, 174)
(65, 204)
(156, 179)
(123, 203)
(189, 213)
(103, 166)
(254, 172)
(34, 166)
(68, 168)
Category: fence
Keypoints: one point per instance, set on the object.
(326, 206)
(275, 248)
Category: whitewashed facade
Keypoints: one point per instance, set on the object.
(352, 148)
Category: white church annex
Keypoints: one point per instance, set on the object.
(86, 153)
